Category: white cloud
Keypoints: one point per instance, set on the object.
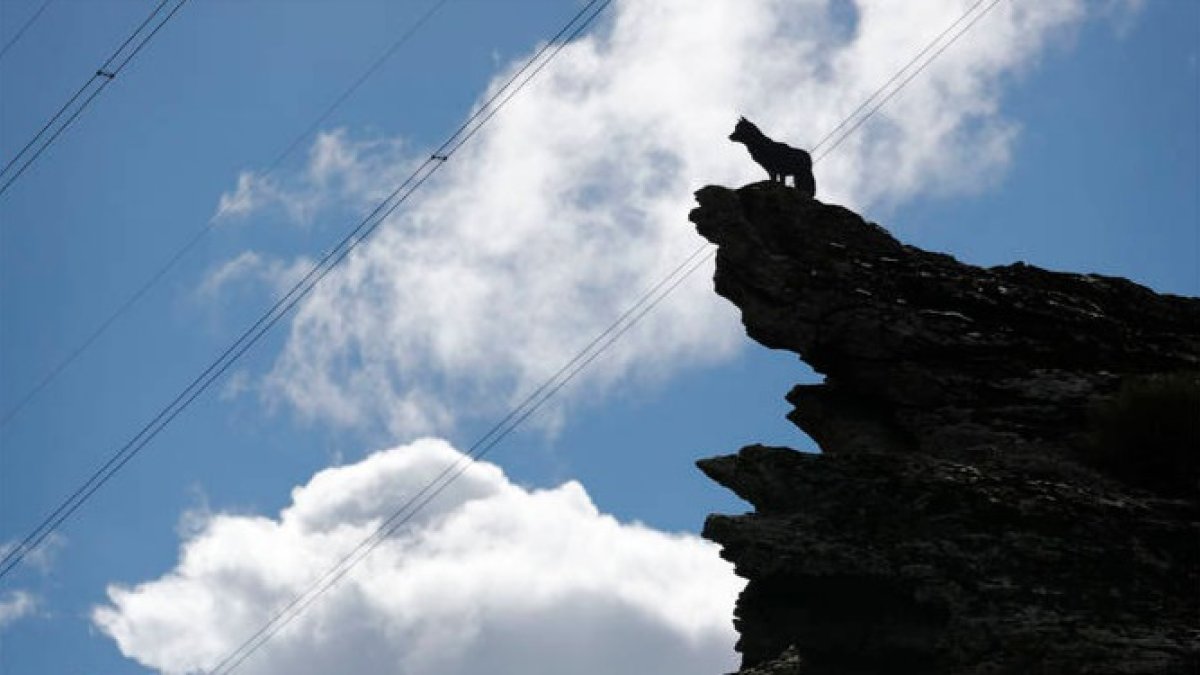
(239, 267)
(249, 266)
(340, 171)
(574, 199)
(490, 578)
(42, 557)
(21, 603)
(16, 605)
(251, 194)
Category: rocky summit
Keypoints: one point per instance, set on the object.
(1008, 478)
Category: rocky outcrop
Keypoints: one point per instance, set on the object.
(961, 518)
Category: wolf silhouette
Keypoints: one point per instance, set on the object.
(779, 159)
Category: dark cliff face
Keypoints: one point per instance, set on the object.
(961, 518)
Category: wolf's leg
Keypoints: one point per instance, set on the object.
(808, 186)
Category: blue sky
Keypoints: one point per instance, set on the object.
(1065, 138)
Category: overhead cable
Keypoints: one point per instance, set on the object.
(319, 270)
(190, 245)
(917, 71)
(24, 27)
(645, 304)
(91, 88)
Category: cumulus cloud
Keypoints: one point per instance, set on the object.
(491, 577)
(574, 199)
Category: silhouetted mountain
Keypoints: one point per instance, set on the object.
(1008, 480)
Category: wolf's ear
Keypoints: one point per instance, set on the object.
(742, 119)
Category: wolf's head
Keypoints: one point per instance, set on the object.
(744, 131)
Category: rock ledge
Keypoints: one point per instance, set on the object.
(959, 519)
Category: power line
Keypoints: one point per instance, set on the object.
(516, 82)
(497, 433)
(867, 101)
(190, 245)
(919, 69)
(358, 82)
(24, 27)
(103, 68)
(859, 122)
(485, 444)
(646, 303)
(95, 84)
